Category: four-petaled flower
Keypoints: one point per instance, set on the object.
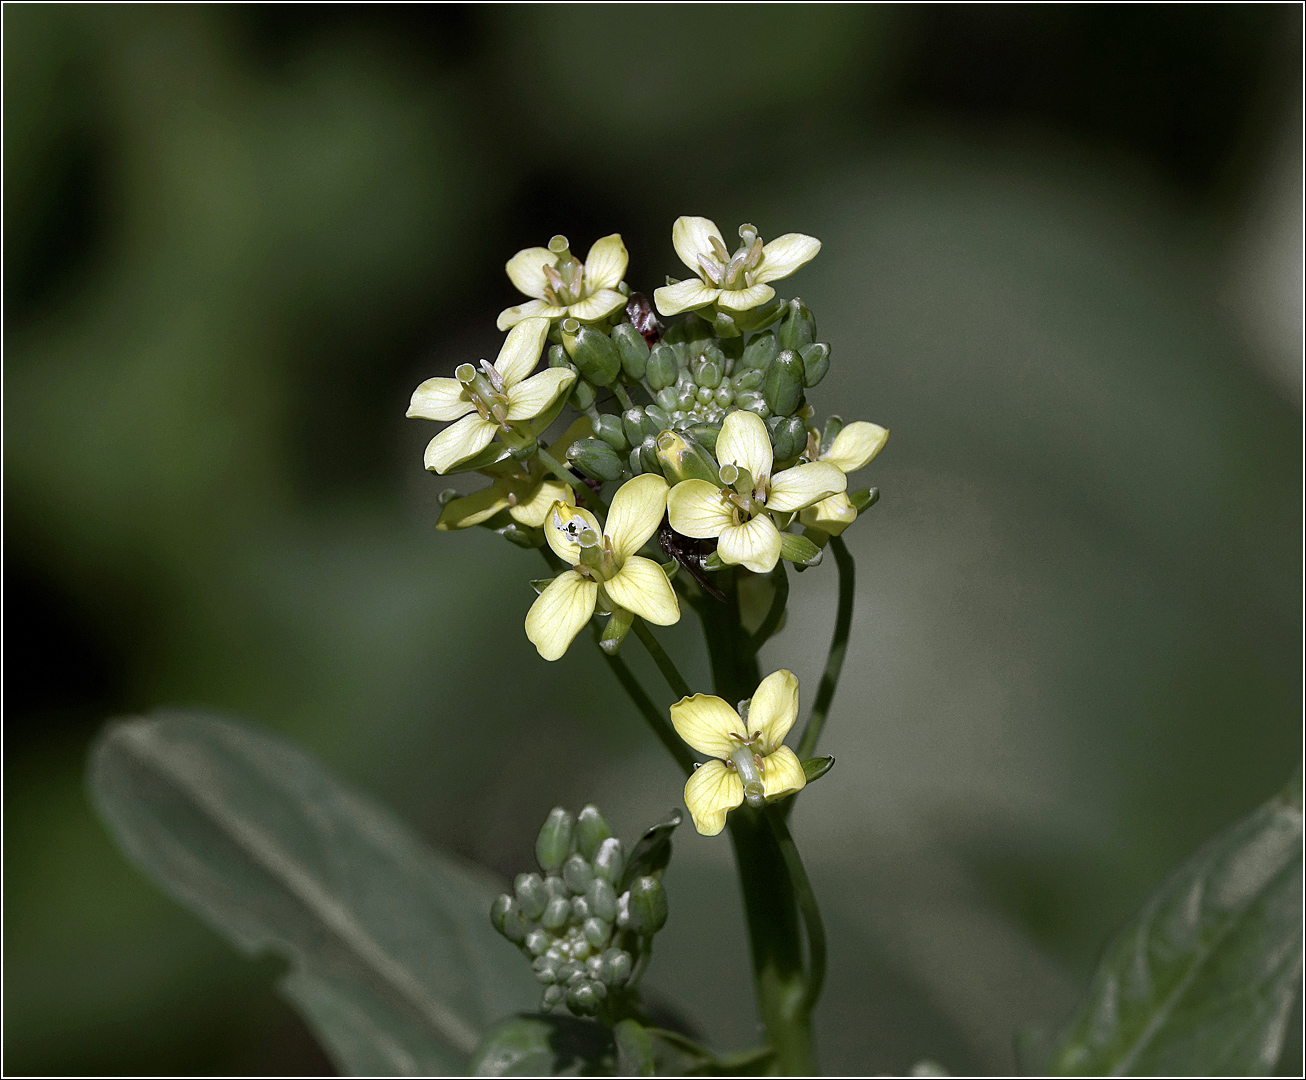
(605, 566)
(734, 282)
(754, 763)
(738, 513)
(499, 395)
(562, 287)
(853, 448)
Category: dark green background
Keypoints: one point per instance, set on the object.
(237, 237)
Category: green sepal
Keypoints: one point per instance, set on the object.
(596, 459)
(522, 536)
(648, 905)
(759, 352)
(595, 356)
(663, 367)
(788, 437)
(614, 633)
(713, 562)
(682, 458)
(799, 327)
(591, 830)
(671, 569)
(799, 550)
(540, 584)
(725, 325)
(783, 389)
(553, 844)
(864, 500)
(833, 426)
(816, 767)
(760, 317)
(583, 395)
(633, 350)
(652, 852)
(816, 362)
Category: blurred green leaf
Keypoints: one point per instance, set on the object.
(393, 960)
(1202, 981)
(546, 1046)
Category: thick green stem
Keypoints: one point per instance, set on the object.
(843, 622)
(816, 952)
(665, 664)
(777, 610)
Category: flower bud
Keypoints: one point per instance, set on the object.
(595, 356)
(570, 973)
(799, 550)
(615, 966)
(597, 931)
(816, 362)
(648, 906)
(662, 367)
(591, 831)
(596, 459)
(506, 917)
(609, 860)
(798, 328)
(783, 388)
(546, 969)
(553, 996)
(682, 458)
(538, 941)
(759, 352)
(789, 437)
(582, 395)
(705, 435)
(633, 350)
(555, 887)
(749, 379)
(753, 402)
(608, 428)
(522, 536)
(580, 909)
(602, 899)
(707, 373)
(633, 424)
(577, 874)
(584, 998)
(554, 842)
(687, 338)
(558, 357)
(531, 896)
(556, 913)
(658, 418)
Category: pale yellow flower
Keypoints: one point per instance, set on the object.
(853, 448)
(606, 569)
(754, 763)
(738, 512)
(736, 282)
(500, 396)
(562, 286)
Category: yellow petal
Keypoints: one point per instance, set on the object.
(599, 306)
(782, 773)
(785, 254)
(636, 513)
(685, 295)
(535, 309)
(743, 442)
(745, 299)
(526, 270)
(692, 237)
(561, 522)
(711, 793)
(472, 509)
(459, 442)
(856, 445)
(560, 612)
(605, 265)
(831, 515)
(534, 396)
(641, 586)
(705, 722)
(521, 351)
(534, 507)
(754, 544)
(803, 485)
(440, 399)
(774, 708)
(697, 508)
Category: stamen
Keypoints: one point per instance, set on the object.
(723, 256)
(710, 269)
(492, 373)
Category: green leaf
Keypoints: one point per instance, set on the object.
(393, 961)
(652, 852)
(546, 1046)
(1201, 982)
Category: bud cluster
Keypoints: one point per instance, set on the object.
(587, 920)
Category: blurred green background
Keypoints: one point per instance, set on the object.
(1061, 262)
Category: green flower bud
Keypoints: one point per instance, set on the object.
(580, 909)
(798, 328)
(596, 459)
(759, 352)
(788, 438)
(633, 350)
(602, 899)
(705, 395)
(705, 435)
(666, 400)
(753, 402)
(783, 388)
(688, 338)
(832, 428)
(582, 396)
(749, 379)
(591, 831)
(686, 400)
(522, 536)
(658, 418)
(558, 357)
(584, 998)
(863, 500)
(506, 917)
(662, 367)
(633, 424)
(648, 906)
(556, 887)
(531, 896)
(615, 966)
(816, 767)
(707, 373)
(546, 970)
(609, 860)
(570, 973)
(799, 550)
(553, 997)
(556, 913)
(553, 845)
(816, 362)
(595, 356)
(608, 428)
(537, 941)
(577, 874)
(724, 396)
(682, 458)
(597, 931)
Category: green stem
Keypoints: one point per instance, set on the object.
(807, 904)
(665, 664)
(592, 497)
(843, 622)
(657, 719)
(777, 610)
(619, 392)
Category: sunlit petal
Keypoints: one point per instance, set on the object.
(526, 270)
(521, 350)
(459, 442)
(686, 295)
(440, 399)
(743, 442)
(641, 586)
(706, 722)
(535, 506)
(782, 773)
(560, 612)
(745, 299)
(774, 708)
(699, 509)
(534, 309)
(754, 544)
(472, 509)
(803, 485)
(605, 265)
(831, 515)
(559, 536)
(692, 237)
(532, 397)
(636, 513)
(856, 445)
(599, 306)
(711, 793)
(785, 254)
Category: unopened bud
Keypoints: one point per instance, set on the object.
(749, 379)
(662, 367)
(582, 395)
(553, 845)
(648, 906)
(546, 971)
(687, 338)
(799, 550)
(609, 860)
(798, 328)
(707, 373)
(558, 357)
(584, 998)
(657, 417)
(556, 913)
(783, 388)
(596, 459)
(531, 896)
(754, 402)
(591, 831)
(577, 874)
(505, 916)
(788, 438)
(595, 356)
(597, 931)
(580, 909)
(816, 362)
(602, 899)
(608, 428)
(705, 435)
(615, 966)
(538, 942)
(633, 350)
(683, 459)
(553, 997)
(555, 887)
(759, 352)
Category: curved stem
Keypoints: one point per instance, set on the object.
(660, 724)
(665, 664)
(843, 622)
(777, 610)
(816, 948)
